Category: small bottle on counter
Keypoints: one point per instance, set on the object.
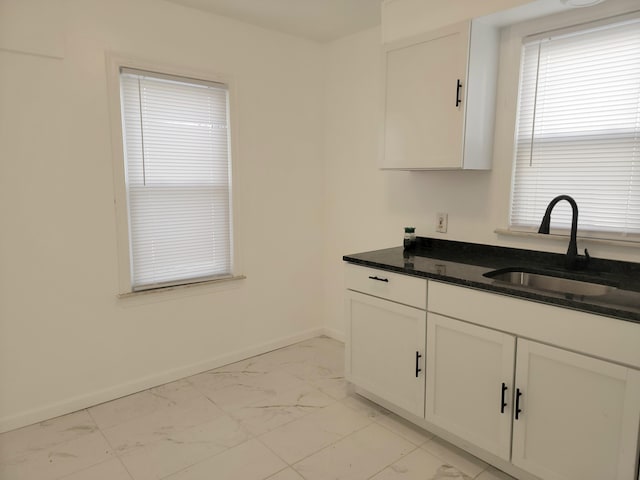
(409, 237)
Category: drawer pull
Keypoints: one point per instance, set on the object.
(518, 410)
(380, 279)
(502, 402)
(458, 86)
(418, 369)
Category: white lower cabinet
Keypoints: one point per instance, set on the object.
(574, 417)
(540, 391)
(578, 415)
(470, 382)
(385, 350)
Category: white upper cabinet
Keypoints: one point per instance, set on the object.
(439, 99)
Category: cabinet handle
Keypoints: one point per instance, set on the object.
(379, 279)
(418, 369)
(503, 403)
(458, 85)
(518, 410)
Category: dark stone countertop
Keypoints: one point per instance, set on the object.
(465, 264)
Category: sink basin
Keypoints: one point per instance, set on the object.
(550, 283)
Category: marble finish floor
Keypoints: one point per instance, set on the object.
(284, 415)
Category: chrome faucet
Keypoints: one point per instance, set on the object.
(573, 261)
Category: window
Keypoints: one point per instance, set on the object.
(178, 178)
(578, 129)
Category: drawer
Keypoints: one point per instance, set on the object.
(388, 285)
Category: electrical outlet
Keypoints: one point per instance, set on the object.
(442, 219)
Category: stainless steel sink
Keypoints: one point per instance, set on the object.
(550, 283)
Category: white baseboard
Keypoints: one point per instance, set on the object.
(110, 393)
(335, 334)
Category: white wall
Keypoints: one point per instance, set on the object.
(309, 190)
(404, 18)
(66, 339)
(368, 208)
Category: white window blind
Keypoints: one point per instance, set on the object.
(579, 130)
(177, 155)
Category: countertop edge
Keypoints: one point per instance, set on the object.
(612, 312)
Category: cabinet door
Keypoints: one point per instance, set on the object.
(423, 125)
(579, 416)
(469, 382)
(385, 350)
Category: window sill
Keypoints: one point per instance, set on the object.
(172, 288)
(600, 241)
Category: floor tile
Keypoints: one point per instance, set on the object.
(159, 459)
(322, 350)
(162, 423)
(248, 461)
(143, 403)
(295, 400)
(254, 365)
(288, 355)
(317, 367)
(300, 438)
(416, 435)
(220, 378)
(109, 470)
(275, 359)
(232, 390)
(365, 406)
(124, 409)
(46, 434)
(286, 474)
(319, 360)
(453, 455)
(58, 460)
(318, 349)
(179, 391)
(324, 346)
(335, 387)
(420, 465)
(358, 456)
(306, 397)
(282, 408)
(494, 474)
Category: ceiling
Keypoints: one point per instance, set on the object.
(319, 20)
